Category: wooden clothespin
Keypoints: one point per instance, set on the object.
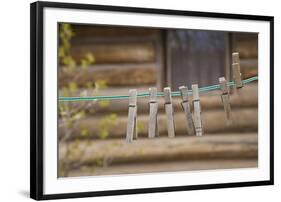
(236, 70)
(153, 109)
(197, 111)
(132, 116)
(225, 98)
(186, 108)
(169, 112)
(235, 58)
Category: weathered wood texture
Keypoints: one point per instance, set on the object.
(124, 56)
(195, 57)
(155, 150)
(225, 98)
(127, 75)
(111, 44)
(172, 166)
(197, 116)
(127, 51)
(246, 45)
(243, 120)
(249, 68)
(133, 58)
(132, 117)
(237, 75)
(187, 110)
(153, 111)
(84, 31)
(244, 109)
(169, 111)
(116, 52)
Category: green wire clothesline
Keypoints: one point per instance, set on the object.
(146, 94)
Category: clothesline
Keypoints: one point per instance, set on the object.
(146, 94)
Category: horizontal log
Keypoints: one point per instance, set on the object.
(243, 120)
(247, 47)
(113, 75)
(247, 97)
(162, 167)
(112, 152)
(249, 67)
(82, 31)
(249, 63)
(245, 36)
(172, 166)
(248, 73)
(134, 52)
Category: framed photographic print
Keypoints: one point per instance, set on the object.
(134, 100)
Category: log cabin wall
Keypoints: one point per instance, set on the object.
(139, 58)
(124, 57)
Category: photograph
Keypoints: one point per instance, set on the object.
(140, 101)
(130, 100)
(100, 65)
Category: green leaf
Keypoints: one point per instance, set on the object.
(85, 132)
(103, 134)
(72, 86)
(90, 58)
(84, 64)
(100, 84)
(89, 84)
(105, 124)
(78, 115)
(140, 127)
(99, 162)
(104, 103)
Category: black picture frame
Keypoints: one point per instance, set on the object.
(36, 99)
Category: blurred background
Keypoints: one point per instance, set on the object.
(110, 60)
